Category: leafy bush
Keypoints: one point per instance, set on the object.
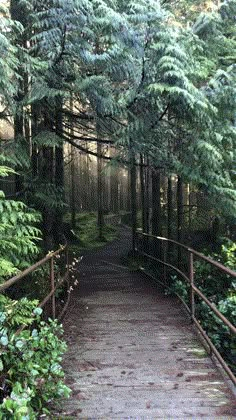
(18, 234)
(30, 361)
(219, 333)
(180, 288)
(212, 281)
(221, 290)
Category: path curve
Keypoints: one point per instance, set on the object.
(132, 351)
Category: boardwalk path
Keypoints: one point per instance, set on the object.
(132, 352)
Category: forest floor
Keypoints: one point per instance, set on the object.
(132, 351)
(85, 236)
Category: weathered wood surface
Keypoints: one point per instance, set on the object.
(132, 351)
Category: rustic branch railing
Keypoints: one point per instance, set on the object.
(50, 258)
(144, 246)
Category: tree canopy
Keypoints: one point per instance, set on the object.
(159, 75)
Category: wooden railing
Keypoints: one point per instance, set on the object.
(162, 248)
(53, 284)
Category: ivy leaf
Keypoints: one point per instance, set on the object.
(4, 340)
(19, 344)
(37, 312)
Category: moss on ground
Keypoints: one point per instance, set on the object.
(199, 352)
(87, 234)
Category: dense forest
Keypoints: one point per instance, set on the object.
(116, 107)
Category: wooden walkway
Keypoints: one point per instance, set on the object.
(132, 351)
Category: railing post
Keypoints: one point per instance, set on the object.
(191, 278)
(52, 279)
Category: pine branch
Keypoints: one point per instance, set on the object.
(91, 139)
(101, 156)
(58, 59)
(164, 113)
(81, 115)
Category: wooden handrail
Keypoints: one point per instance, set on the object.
(51, 295)
(194, 290)
(30, 269)
(194, 252)
(215, 310)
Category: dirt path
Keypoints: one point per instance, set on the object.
(132, 351)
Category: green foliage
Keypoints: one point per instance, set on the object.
(18, 232)
(179, 288)
(8, 59)
(213, 282)
(159, 82)
(165, 81)
(30, 361)
(47, 195)
(18, 236)
(219, 289)
(47, 139)
(18, 313)
(16, 155)
(87, 232)
(220, 335)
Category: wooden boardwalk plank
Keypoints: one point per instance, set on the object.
(132, 351)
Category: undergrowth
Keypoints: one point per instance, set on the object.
(31, 375)
(86, 233)
(217, 286)
(220, 289)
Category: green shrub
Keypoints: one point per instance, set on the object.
(18, 234)
(220, 289)
(218, 332)
(180, 288)
(213, 282)
(30, 361)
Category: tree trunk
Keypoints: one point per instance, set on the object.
(156, 203)
(147, 196)
(114, 191)
(180, 215)
(142, 185)
(72, 172)
(48, 176)
(18, 133)
(100, 218)
(170, 213)
(48, 215)
(128, 198)
(72, 200)
(133, 198)
(170, 208)
(59, 175)
(34, 131)
(17, 13)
